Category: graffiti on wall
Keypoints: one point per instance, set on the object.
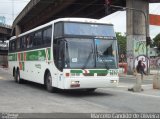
(144, 59)
(139, 47)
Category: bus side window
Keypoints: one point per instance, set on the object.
(38, 38)
(29, 41)
(13, 45)
(23, 42)
(18, 43)
(47, 35)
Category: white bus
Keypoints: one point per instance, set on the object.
(67, 53)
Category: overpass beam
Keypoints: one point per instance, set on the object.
(137, 30)
(18, 30)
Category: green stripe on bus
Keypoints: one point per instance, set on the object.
(98, 71)
(91, 71)
(38, 55)
(76, 71)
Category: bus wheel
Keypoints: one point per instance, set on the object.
(49, 83)
(15, 75)
(18, 79)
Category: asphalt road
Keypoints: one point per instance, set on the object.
(132, 80)
(33, 98)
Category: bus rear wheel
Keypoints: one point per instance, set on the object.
(49, 83)
(18, 79)
(15, 79)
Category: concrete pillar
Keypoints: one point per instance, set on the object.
(137, 29)
(17, 30)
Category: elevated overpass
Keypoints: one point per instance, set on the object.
(5, 34)
(38, 12)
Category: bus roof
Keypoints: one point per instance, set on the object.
(82, 20)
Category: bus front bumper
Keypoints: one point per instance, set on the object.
(91, 82)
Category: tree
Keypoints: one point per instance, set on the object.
(156, 41)
(122, 41)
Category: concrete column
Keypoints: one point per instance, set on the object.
(137, 29)
(17, 30)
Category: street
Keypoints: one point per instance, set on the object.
(33, 98)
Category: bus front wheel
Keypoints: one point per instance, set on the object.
(49, 83)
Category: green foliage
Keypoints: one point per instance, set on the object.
(122, 43)
(156, 41)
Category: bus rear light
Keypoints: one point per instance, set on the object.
(67, 74)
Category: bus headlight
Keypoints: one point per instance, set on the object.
(113, 81)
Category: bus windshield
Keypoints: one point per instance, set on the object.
(87, 45)
(106, 53)
(79, 51)
(91, 53)
(88, 29)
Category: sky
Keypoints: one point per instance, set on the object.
(11, 8)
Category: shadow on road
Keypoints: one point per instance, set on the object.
(67, 93)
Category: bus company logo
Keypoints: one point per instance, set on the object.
(38, 66)
(85, 71)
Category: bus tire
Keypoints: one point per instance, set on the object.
(18, 79)
(14, 75)
(49, 83)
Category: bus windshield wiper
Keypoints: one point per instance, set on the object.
(101, 56)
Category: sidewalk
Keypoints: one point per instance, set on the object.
(148, 88)
(146, 77)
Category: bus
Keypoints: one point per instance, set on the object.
(67, 53)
